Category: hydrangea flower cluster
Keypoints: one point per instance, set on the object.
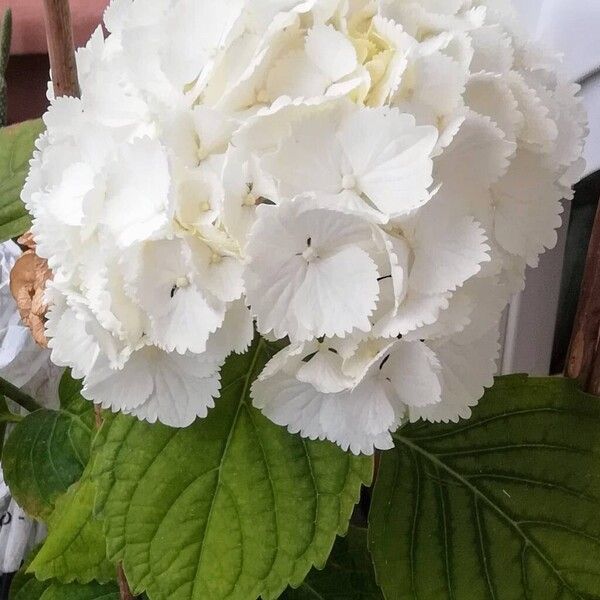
(366, 179)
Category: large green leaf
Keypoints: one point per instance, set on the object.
(75, 549)
(26, 587)
(348, 575)
(503, 506)
(48, 451)
(16, 148)
(232, 507)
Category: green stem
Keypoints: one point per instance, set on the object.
(16, 395)
(10, 418)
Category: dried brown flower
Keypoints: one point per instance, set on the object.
(28, 280)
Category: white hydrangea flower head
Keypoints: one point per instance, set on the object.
(367, 180)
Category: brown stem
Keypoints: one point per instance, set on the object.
(124, 591)
(583, 349)
(61, 49)
(98, 416)
(593, 386)
(30, 274)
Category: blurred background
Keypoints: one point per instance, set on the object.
(538, 323)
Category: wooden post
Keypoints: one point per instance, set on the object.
(61, 48)
(583, 359)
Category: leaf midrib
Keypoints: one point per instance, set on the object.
(241, 403)
(528, 542)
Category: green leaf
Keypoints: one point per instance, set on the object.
(348, 575)
(48, 451)
(233, 507)
(17, 143)
(26, 587)
(503, 506)
(75, 549)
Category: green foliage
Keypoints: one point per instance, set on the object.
(26, 587)
(75, 549)
(504, 506)
(348, 574)
(48, 451)
(5, 40)
(16, 148)
(232, 507)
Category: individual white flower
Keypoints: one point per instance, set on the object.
(156, 385)
(182, 312)
(304, 390)
(377, 154)
(307, 274)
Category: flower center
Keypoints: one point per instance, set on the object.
(310, 254)
(249, 200)
(262, 96)
(348, 182)
(182, 282)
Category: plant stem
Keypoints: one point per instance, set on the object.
(10, 418)
(593, 386)
(583, 350)
(61, 49)
(16, 395)
(124, 591)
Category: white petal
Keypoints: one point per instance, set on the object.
(137, 192)
(338, 293)
(324, 372)
(331, 51)
(390, 158)
(182, 314)
(219, 274)
(490, 95)
(447, 252)
(310, 159)
(413, 371)
(493, 50)
(477, 157)
(296, 76)
(154, 385)
(234, 335)
(466, 370)
(527, 208)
